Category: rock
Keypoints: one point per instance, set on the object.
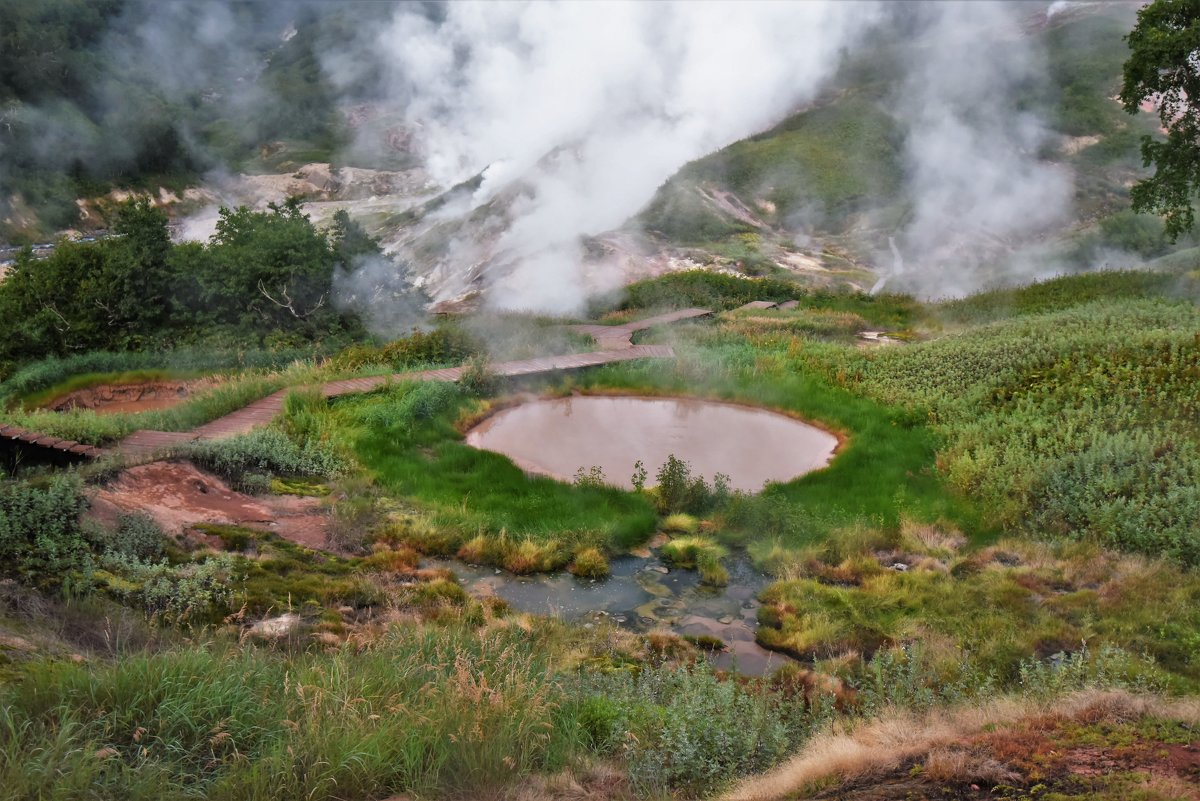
(725, 619)
(274, 628)
(15, 643)
(900, 567)
(659, 569)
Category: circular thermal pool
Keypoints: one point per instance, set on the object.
(557, 437)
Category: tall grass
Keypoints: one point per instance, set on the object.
(445, 712)
(1076, 423)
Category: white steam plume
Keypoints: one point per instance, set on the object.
(981, 195)
(593, 105)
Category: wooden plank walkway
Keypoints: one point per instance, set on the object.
(615, 346)
(620, 337)
(145, 443)
(47, 441)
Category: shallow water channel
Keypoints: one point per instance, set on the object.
(558, 436)
(643, 594)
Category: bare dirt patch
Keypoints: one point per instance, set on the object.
(128, 398)
(178, 495)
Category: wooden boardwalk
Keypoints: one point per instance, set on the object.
(145, 443)
(615, 342)
(47, 441)
(620, 337)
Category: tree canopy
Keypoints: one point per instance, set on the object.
(265, 276)
(1164, 67)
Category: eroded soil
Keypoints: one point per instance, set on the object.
(1046, 757)
(178, 495)
(129, 398)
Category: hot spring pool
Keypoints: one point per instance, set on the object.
(556, 437)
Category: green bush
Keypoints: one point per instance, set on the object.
(686, 731)
(263, 451)
(138, 537)
(442, 345)
(40, 538)
(193, 593)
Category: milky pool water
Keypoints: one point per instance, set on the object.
(556, 437)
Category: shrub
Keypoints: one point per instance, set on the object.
(266, 450)
(592, 477)
(40, 538)
(684, 730)
(477, 379)
(138, 537)
(194, 593)
(442, 345)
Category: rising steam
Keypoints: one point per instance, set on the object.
(593, 105)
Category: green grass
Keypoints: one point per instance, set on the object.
(429, 711)
(414, 451)
(884, 472)
(991, 609)
(1058, 294)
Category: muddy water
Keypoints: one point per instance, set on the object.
(556, 437)
(643, 594)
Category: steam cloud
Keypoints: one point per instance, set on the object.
(576, 112)
(979, 191)
(593, 105)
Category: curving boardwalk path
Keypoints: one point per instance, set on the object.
(615, 344)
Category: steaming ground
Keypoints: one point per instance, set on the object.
(546, 152)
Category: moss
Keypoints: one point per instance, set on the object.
(233, 538)
(298, 486)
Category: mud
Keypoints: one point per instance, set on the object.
(129, 398)
(557, 437)
(640, 596)
(177, 495)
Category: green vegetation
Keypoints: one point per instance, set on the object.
(1075, 423)
(264, 279)
(823, 164)
(901, 583)
(434, 711)
(40, 538)
(406, 437)
(1159, 68)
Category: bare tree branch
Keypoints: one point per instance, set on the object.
(290, 305)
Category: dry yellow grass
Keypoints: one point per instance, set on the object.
(885, 743)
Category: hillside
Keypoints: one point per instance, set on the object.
(567, 401)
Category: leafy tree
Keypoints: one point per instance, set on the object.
(276, 262)
(1164, 66)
